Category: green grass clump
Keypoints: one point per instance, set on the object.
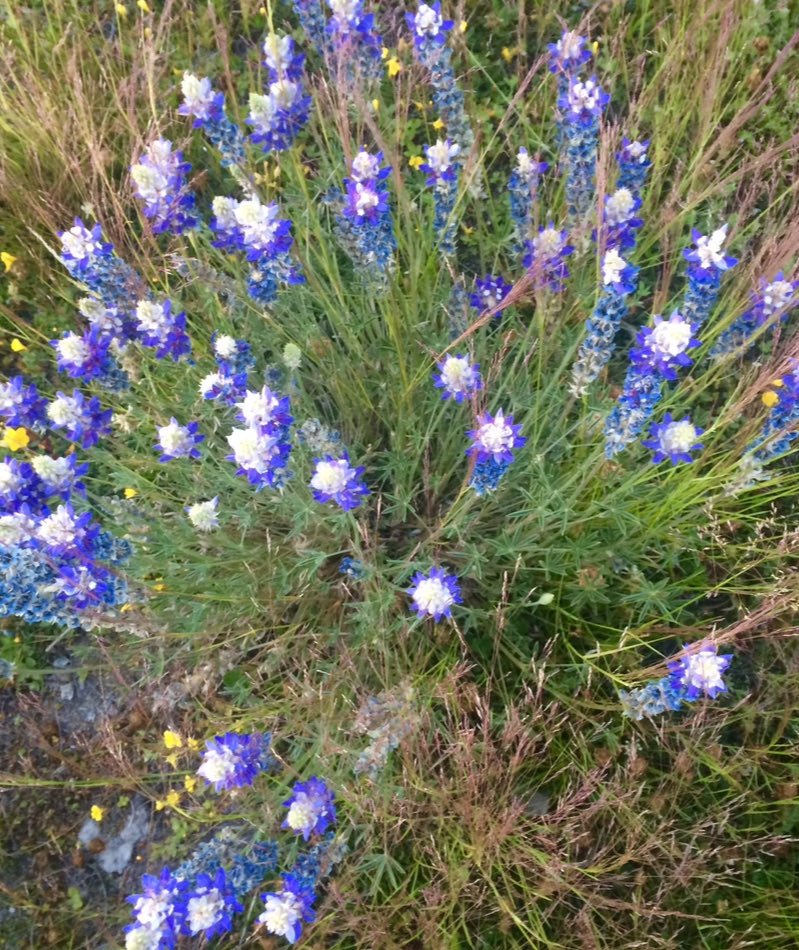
(515, 805)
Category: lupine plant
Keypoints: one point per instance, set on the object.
(402, 450)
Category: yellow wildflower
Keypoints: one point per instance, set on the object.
(770, 399)
(463, 26)
(416, 161)
(509, 52)
(419, 106)
(193, 744)
(122, 10)
(173, 798)
(393, 66)
(376, 105)
(172, 740)
(595, 47)
(142, 5)
(7, 259)
(777, 383)
(438, 125)
(130, 493)
(172, 759)
(14, 439)
(147, 32)
(384, 53)
(17, 345)
(97, 812)
(190, 783)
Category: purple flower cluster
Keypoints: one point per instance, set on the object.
(234, 360)
(673, 440)
(261, 450)
(545, 258)
(489, 293)
(633, 165)
(84, 356)
(619, 222)
(278, 116)
(433, 595)
(457, 377)
(771, 304)
(660, 350)
(428, 28)
(259, 231)
(780, 429)
(706, 263)
(618, 280)
(162, 329)
(178, 442)
(233, 760)
(83, 420)
(50, 555)
(90, 259)
(311, 808)
(159, 179)
(663, 347)
(207, 108)
(580, 105)
(287, 910)
(523, 191)
(336, 480)
(442, 168)
(698, 671)
(169, 907)
(21, 404)
(495, 438)
(569, 54)
(364, 226)
(355, 42)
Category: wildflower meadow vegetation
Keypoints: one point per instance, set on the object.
(398, 517)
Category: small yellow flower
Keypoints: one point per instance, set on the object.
(416, 161)
(770, 399)
(159, 805)
(190, 783)
(142, 5)
(467, 229)
(376, 105)
(17, 345)
(393, 66)
(147, 32)
(438, 125)
(777, 383)
(419, 106)
(172, 759)
(97, 812)
(159, 587)
(125, 608)
(384, 53)
(7, 259)
(262, 11)
(509, 52)
(193, 744)
(463, 26)
(172, 740)
(595, 47)
(14, 439)
(122, 10)
(130, 493)
(173, 798)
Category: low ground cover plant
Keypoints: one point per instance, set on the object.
(414, 469)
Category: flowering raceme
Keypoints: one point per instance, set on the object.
(434, 595)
